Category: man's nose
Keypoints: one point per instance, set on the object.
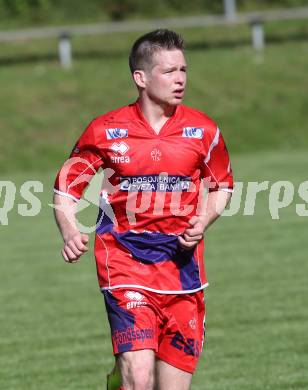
(180, 78)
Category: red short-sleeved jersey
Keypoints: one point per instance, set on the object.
(150, 191)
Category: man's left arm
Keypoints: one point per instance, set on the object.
(216, 169)
(214, 205)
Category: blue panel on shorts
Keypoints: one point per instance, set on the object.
(120, 320)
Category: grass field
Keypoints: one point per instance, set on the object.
(54, 332)
(259, 101)
(53, 329)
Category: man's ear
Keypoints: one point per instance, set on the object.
(139, 78)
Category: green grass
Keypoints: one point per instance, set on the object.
(259, 101)
(54, 332)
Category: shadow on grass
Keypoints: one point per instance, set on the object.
(113, 54)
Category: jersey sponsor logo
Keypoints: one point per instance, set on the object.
(121, 148)
(120, 159)
(134, 304)
(134, 295)
(116, 133)
(193, 132)
(135, 299)
(189, 346)
(132, 334)
(155, 183)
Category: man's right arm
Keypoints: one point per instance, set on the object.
(74, 241)
(72, 179)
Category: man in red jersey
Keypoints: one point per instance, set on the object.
(149, 234)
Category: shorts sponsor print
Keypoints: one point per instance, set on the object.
(171, 325)
(132, 334)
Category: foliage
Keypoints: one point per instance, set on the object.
(29, 12)
(30, 8)
(120, 9)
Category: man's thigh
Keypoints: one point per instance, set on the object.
(137, 369)
(168, 377)
(140, 370)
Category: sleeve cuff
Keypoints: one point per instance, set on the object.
(67, 195)
(230, 190)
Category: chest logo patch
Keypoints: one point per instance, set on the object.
(119, 148)
(116, 133)
(156, 154)
(193, 132)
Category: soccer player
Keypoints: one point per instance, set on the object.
(156, 154)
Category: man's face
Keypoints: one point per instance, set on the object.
(166, 79)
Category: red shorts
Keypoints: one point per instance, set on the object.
(172, 325)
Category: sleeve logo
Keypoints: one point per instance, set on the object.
(193, 132)
(116, 133)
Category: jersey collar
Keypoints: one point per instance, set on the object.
(139, 114)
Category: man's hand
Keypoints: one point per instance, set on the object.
(193, 234)
(74, 241)
(74, 247)
(213, 206)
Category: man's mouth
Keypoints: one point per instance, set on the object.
(179, 91)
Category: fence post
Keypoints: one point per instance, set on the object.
(257, 32)
(230, 9)
(65, 50)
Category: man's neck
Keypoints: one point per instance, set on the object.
(156, 115)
